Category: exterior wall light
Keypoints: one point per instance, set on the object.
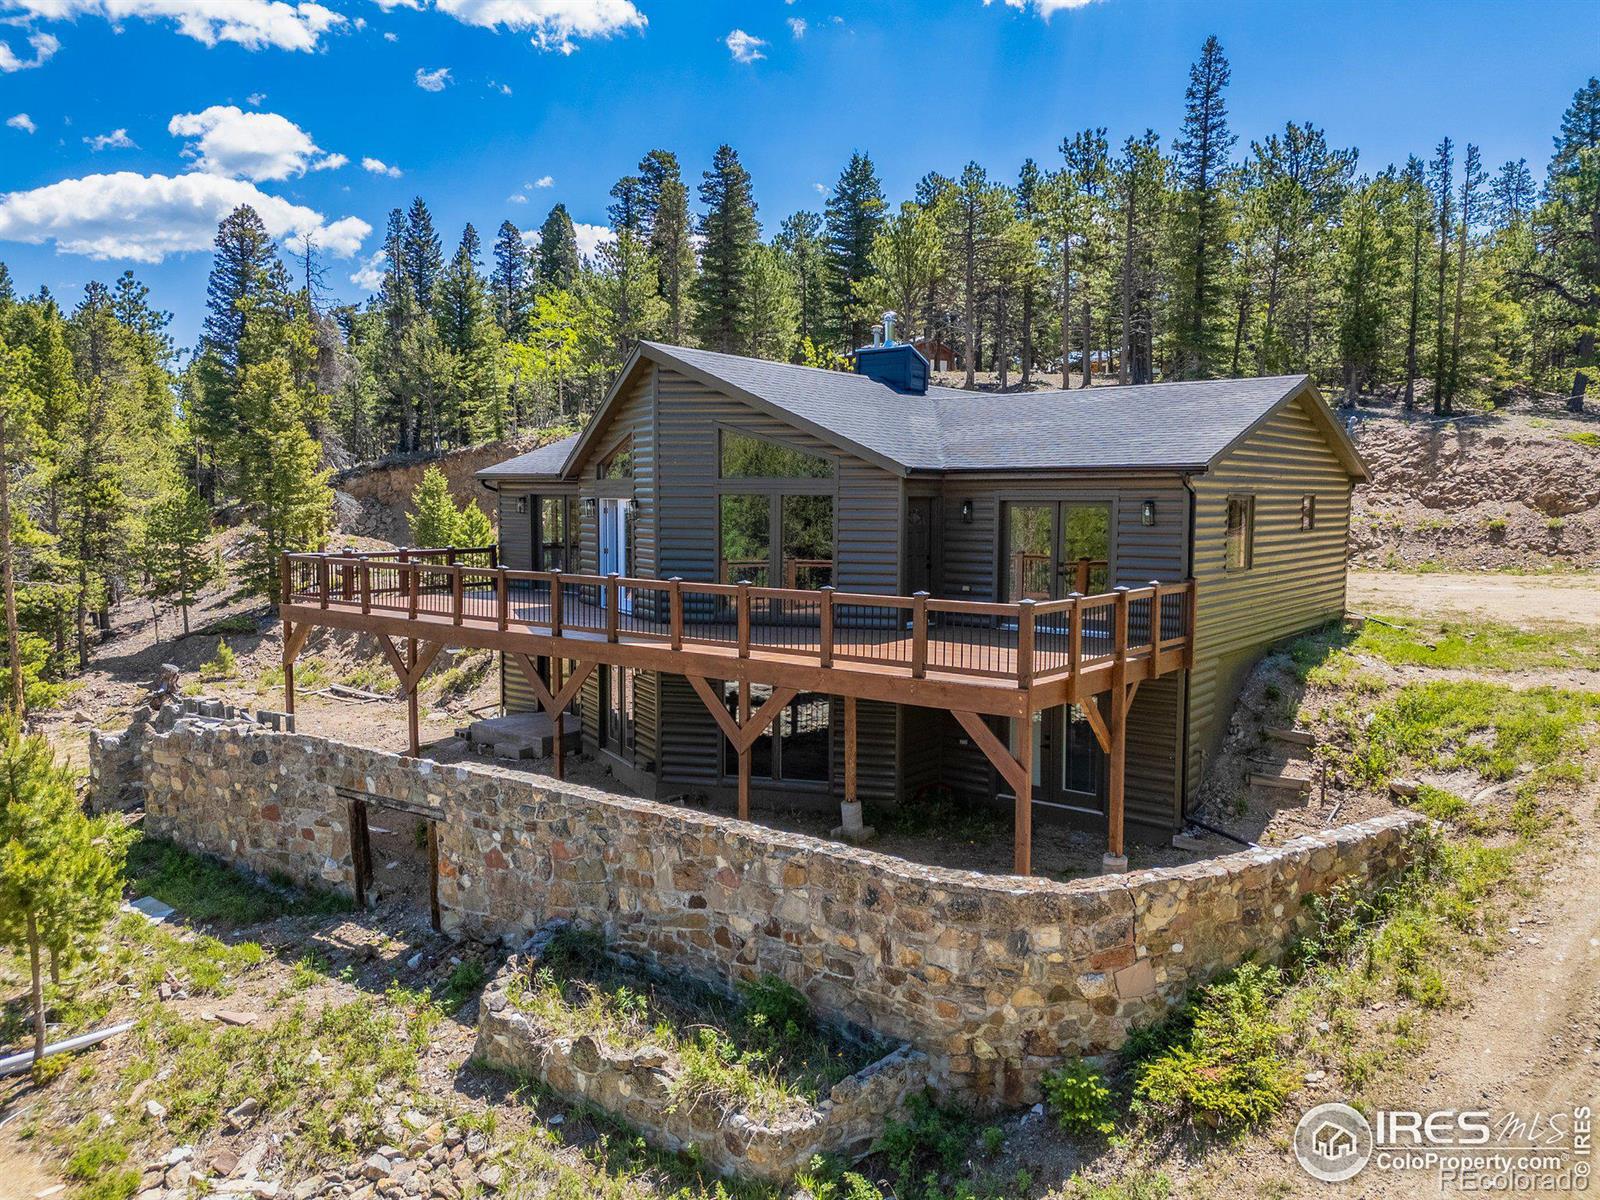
(522, 505)
(1147, 513)
(966, 512)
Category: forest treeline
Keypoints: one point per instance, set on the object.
(1438, 280)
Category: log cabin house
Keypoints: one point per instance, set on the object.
(766, 583)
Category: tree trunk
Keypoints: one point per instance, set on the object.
(8, 569)
(1411, 327)
(969, 318)
(1455, 333)
(1438, 349)
(1027, 338)
(1066, 308)
(1088, 355)
(38, 991)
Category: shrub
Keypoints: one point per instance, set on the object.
(223, 664)
(776, 1008)
(1079, 1097)
(1220, 1061)
(930, 1140)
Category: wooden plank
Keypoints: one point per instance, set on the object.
(1281, 783)
(1295, 737)
(849, 749)
(744, 718)
(1022, 819)
(714, 705)
(1090, 709)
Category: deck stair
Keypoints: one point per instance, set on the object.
(1292, 737)
(1284, 783)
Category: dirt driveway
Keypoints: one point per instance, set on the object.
(1514, 599)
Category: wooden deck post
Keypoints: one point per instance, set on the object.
(288, 670)
(558, 748)
(411, 700)
(675, 611)
(744, 751)
(1022, 821)
(851, 826)
(825, 633)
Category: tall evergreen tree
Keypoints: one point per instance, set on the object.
(800, 240)
(509, 283)
(1419, 209)
(557, 254)
(851, 218)
(1441, 182)
(666, 201)
(424, 257)
(729, 233)
(469, 333)
(1202, 218)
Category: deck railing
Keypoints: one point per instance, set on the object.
(1021, 643)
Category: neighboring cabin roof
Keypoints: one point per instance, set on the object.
(1161, 426)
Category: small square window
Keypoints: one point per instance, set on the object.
(1308, 512)
(1240, 537)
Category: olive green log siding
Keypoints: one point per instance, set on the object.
(1296, 580)
(970, 553)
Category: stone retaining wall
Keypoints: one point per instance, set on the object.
(995, 978)
(640, 1086)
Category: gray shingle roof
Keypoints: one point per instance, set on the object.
(1163, 426)
(547, 459)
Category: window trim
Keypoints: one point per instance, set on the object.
(1248, 528)
(624, 443)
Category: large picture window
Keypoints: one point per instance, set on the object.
(746, 457)
(747, 539)
(775, 540)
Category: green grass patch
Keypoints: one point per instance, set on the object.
(239, 624)
(1479, 646)
(1583, 437)
(1483, 727)
(202, 889)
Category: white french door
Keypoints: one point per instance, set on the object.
(616, 544)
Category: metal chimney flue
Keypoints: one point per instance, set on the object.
(877, 336)
(889, 319)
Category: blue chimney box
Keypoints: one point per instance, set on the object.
(900, 365)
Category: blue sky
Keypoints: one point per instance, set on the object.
(472, 103)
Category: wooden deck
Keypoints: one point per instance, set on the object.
(976, 659)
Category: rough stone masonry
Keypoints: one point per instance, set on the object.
(995, 978)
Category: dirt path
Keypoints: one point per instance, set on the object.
(1515, 599)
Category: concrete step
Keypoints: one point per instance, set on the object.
(521, 735)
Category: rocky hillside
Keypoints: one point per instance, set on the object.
(1504, 490)
(372, 500)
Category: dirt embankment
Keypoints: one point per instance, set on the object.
(373, 500)
(1506, 490)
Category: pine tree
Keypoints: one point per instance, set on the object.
(509, 283)
(1138, 191)
(283, 491)
(433, 518)
(668, 230)
(1088, 171)
(558, 251)
(771, 311)
(729, 233)
(1441, 176)
(1419, 207)
(176, 561)
(1471, 179)
(474, 529)
(18, 406)
(907, 266)
(851, 219)
(424, 259)
(1202, 217)
(469, 333)
(800, 241)
(1361, 294)
(974, 210)
(60, 870)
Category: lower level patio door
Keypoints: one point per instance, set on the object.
(1069, 768)
(616, 545)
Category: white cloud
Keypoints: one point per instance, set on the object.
(254, 99)
(117, 139)
(797, 26)
(378, 167)
(43, 47)
(433, 81)
(555, 24)
(391, 36)
(821, 189)
(544, 181)
(1045, 8)
(146, 217)
(503, 88)
(589, 237)
(745, 47)
(23, 122)
(516, 198)
(369, 275)
(225, 140)
(253, 24)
